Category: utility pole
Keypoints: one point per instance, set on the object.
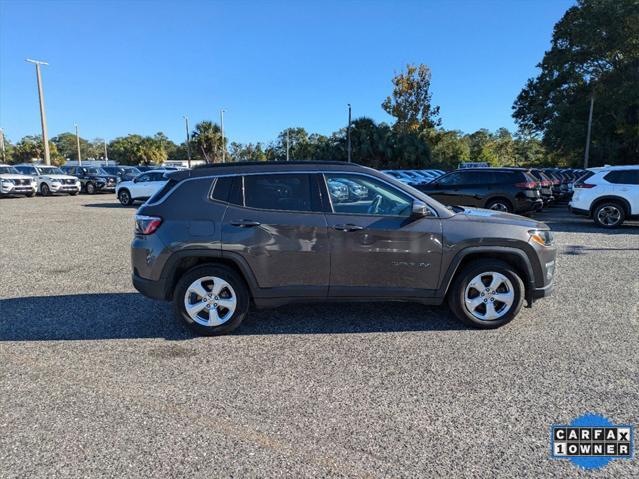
(106, 156)
(43, 117)
(349, 133)
(287, 143)
(188, 141)
(223, 139)
(77, 142)
(587, 153)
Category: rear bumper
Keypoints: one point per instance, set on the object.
(578, 211)
(149, 288)
(529, 204)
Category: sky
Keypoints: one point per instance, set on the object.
(120, 67)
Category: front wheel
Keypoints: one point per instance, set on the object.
(609, 215)
(45, 190)
(90, 188)
(486, 294)
(211, 300)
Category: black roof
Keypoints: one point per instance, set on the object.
(264, 167)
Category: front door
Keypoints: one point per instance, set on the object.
(377, 248)
(276, 225)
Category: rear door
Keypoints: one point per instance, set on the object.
(626, 185)
(276, 226)
(377, 249)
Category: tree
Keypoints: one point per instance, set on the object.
(248, 152)
(136, 149)
(30, 148)
(67, 146)
(410, 102)
(450, 148)
(207, 142)
(594, 52)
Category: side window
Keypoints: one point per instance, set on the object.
(157, 177)
(477, 178)
(363, 195)
(452, 179)
(286, 192)
(144, 178)
(222, 188)
(623, 177)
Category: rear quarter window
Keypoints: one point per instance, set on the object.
(623, 177)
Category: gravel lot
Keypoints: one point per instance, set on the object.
(96, 380)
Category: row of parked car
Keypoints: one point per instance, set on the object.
(28, 179)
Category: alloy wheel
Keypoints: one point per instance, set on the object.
(609, 215)
(210, 301)
(499, 207)
(489, 296)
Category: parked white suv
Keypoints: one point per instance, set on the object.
(141, 188)
(608, 195)
(14, 183)
(51, 179)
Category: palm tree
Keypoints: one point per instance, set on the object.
(207, 140)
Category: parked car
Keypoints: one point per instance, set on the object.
(14, 183)
(51, 179)
(215, 240)
(124, 173)
(356, 191)
(92, 178)
(402, 176)
(141, 188)
(338, 191)
(608, 195)
(512, 190)
(144, 168)
(546, 185)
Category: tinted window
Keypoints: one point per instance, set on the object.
(357, 194)
(452, 179)
(143, 178)
(158, 176)
(623, 177)
(278, 192)
(222, 188)
(477, 177)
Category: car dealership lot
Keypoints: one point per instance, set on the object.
(98, 380)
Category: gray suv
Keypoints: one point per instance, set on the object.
(217, 239)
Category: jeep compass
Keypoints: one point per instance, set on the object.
(217, 239)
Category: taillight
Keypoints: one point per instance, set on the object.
(555, 182)
(545, 183)
(146, 225)
(526, 185)
(583, 185)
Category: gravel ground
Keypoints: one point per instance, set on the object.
(96, 380)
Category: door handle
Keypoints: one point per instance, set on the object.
(348, 227)
(245, 223)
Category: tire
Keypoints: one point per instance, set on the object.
(125, 197)
(30, 195)
(45, 190)
(90, 188)
(609, 214)
(510, 288)
(73, 193)
(500, 204)
(208, 276)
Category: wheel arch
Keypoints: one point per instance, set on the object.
(611, 198)
(501, 198)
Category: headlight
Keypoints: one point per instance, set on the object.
(8, 182)
(542, 237)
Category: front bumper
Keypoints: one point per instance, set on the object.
(64, 188)
(17, 189)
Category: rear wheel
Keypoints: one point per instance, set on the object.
(125, 197)
(609, 214)
(486, 294)
(500, 204)
(211, 300)
(45, 190)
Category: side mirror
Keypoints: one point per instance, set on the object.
(420, 209)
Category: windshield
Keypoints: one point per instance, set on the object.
(96, 171)
(132, 170)
(43, 170)
(9, 169)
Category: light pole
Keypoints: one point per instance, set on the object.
(43, 116)
(4, 153)
(287, 143)
(77, 143)
(223, 139)
(587, 152)
(106, 156)
(188, 141)
(349, 133)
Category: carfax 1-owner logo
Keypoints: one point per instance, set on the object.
(591, 441)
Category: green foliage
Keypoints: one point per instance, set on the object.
(207, 142)
(410, 102)
(137, 150)
(67, 146)
(594, 51)
(30, 148)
